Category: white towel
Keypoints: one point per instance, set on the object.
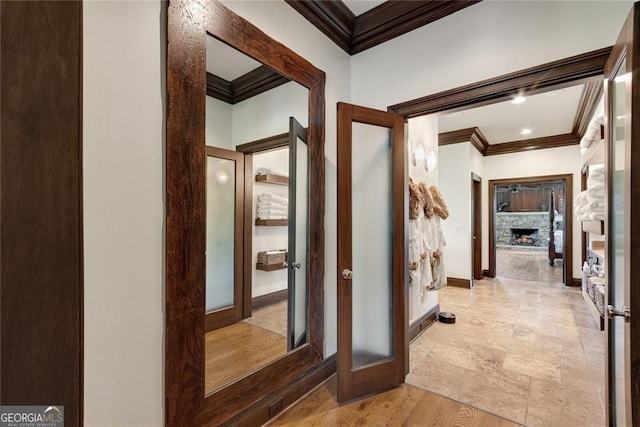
(595, 216)
(595, 191)
(273, 198)
(581, 199)
(596, 170)
(267, 171)
(270, 216)
(269, 205)
(278, 212)
(592, 133)
(594, 206)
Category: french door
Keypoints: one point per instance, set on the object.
(298, 232)
(372, 280)
(622, 101)
(224, 253)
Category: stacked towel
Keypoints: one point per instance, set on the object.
(267, 171)
(592, 133)
(596, 175)
(590, 204)
(273, 198)
(272, 206)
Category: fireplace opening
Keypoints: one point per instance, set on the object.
(524, 236)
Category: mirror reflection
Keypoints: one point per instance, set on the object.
(257, 215)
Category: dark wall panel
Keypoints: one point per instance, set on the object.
(41, 205)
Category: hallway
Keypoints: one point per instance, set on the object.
(523, 350)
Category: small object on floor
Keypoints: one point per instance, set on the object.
(447, 317)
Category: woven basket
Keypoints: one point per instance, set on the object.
(272, 257)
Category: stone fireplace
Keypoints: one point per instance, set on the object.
(522, 229)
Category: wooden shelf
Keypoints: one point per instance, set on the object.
(270, 267)
(273, 179)
(272, 222)
(595, 227)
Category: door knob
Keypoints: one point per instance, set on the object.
(347, 274)
(295, 265)
(612, 312)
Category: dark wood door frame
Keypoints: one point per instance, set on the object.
(41, 207)
(567, 259)
(248, 150)
(476, 225)
(227, 315)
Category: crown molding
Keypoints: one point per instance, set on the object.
(333, 18)
(395, 18)
(591, 95)
(472, 135)
(219, 88)
(354, 34)
(244, 87)
(532, 144)
(552, 75)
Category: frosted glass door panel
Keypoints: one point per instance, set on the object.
(220, 233)
(372, 242)
(301, 233)
(617, 248)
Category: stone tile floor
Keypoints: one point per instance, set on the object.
(524, 350)
(527, 264)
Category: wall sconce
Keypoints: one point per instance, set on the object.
(430, 161)
(417, 156)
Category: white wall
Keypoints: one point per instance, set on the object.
(218, 116)
(123, 164)
(552, 161)
(268, 114)
(455, 185)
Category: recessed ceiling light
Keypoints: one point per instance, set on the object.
(518, 100)
(525, 131)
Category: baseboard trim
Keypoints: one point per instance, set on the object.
(575, 282)
(485, 273)
(269, 299)
(271, 405)
(423, 323)
(459, 283)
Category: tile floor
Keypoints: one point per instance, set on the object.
(272, 318)
(527, 351)
(527, 264)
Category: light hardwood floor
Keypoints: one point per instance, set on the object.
(406, 405)
(238, 349)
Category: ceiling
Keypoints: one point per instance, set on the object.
(546, 114)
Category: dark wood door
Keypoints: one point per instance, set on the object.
(476, 234)
(372, 282)
(622, 102)
(224, 253)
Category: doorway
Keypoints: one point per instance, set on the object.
(527, 216)
(476, 229)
